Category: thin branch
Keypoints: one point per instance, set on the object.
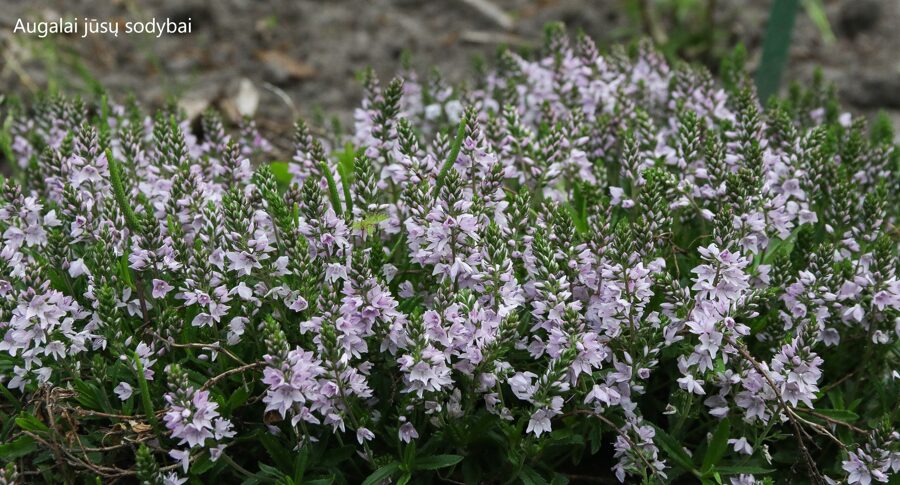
(215, 347)
(831, 420)
(838, 382)
(627, 440)
(814, 473)
(237, 370)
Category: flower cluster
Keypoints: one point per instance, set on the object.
(580, 264)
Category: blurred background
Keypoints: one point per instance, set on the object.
(280, 59)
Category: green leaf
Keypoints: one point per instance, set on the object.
(674, 450)
(370, 221)
(530, 477)
(86, 395)
(29, 422)
(577, 207)
(271, 471)
(346, 168)
(779, 247)
(816, 12)
(437, 461)
(409, 455)
(145, 391)
(280, 171)
(559, 480)
(104, 114)
(202, 464)
(279, 454)
(595, 437)
(718, 445)
(91, 396)
(565, 438)
(300, 462)
(454, 153)
(17, 448)
(332, 189)
(838, 414)
(6, 142)
(380, 474)
(320, 481)
(740, 470)
(775, 47)
(347, 159)
(336, 456)
(237, 398)
(124, 270)
(115, 179)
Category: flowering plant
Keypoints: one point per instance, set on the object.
(581, 266)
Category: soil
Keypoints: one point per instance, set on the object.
(300, 58)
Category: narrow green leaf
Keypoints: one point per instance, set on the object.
(332, 188)
(437, 461)
(595, 437)
(454, 153)
(124, 269)
(380, 474)
(88, 395)
(279, 454)
(115, 179)
(559, 479)
(6, 142)
(816, 12)
(104, 114)
(85, 396)
(577, 207)
(531, 477)
(280, 171)
(370, 221)
(273, 472)
(838, 414)
(775, 47)
(409, 456)
(237, 398)
(29, 422)
(718, 445)
(202, 465)
(17, 448)
(300, 462)
(740, 470)
(320, 481)
(145, 391)
(346, 168)
(674, 450)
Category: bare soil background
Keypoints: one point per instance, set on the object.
(300, 58)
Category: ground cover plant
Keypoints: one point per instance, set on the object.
(580, 268)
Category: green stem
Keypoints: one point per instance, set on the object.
(332, 189)
(454, 154)
(775, 47)
(145, 391)
(115, 179)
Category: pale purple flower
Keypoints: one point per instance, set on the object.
(161, 288)
(407, 432)
(740, 445)
(363, 435)
(540, 422)
(123, 390)
(172, 478)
